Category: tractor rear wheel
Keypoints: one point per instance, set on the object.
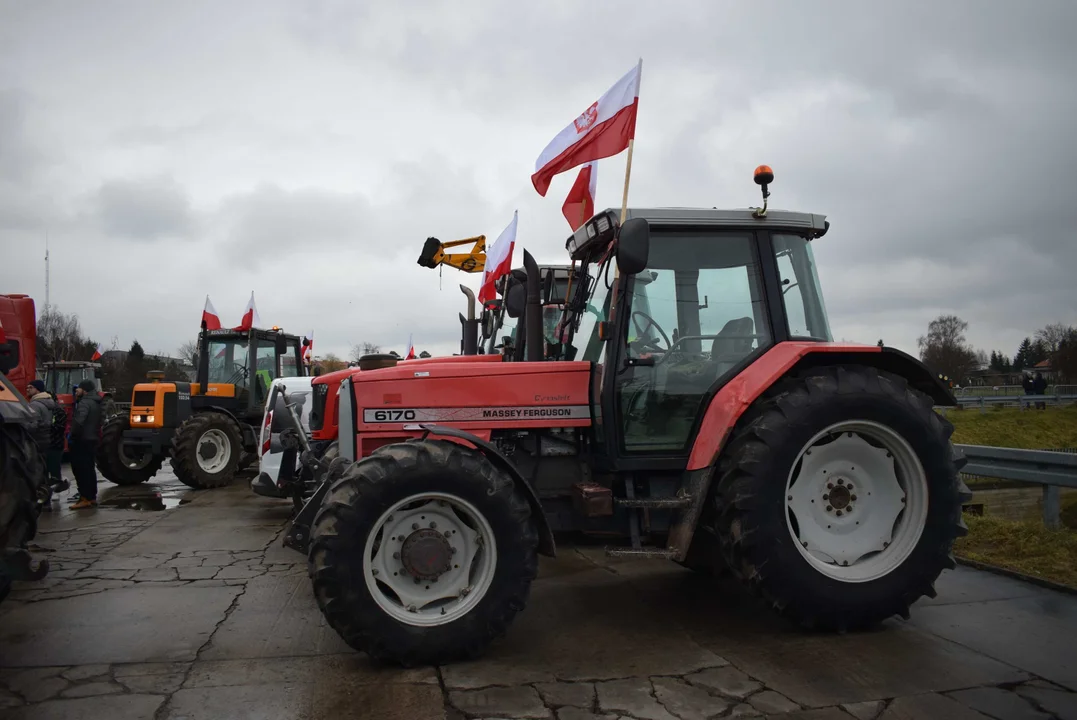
(422, 553)
(840, 499)
(118, 465)
(206, 450)
(24, 489)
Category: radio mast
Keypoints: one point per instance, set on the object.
(46, 271)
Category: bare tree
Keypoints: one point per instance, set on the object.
(945, 350)
(1052, 336)
(330, 363)
(364, 348)
(59, 337)
(188, 352)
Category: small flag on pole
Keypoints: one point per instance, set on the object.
(97, 353)
(210, 319)
(250, 316)
(580, 203)
(498, 260)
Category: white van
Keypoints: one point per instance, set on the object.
(282, 391)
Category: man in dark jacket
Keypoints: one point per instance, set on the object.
(49, 430)
(85, 432)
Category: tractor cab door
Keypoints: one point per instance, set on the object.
(686, 325)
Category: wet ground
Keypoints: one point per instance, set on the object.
(167, 603)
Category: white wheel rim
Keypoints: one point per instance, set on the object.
(215, 443)
(866, 532)
(411, 538)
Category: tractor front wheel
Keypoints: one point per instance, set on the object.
(206, 450)
(840, 500)
(422, 553)
(120, 465)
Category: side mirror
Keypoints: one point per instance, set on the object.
(515, 299)
(281, 343)
(633, 246)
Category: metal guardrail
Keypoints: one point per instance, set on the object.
(1011, 390)
(1053, 470)
(1023, 401)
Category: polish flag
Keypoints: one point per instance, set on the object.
(210, 319)
(604, 129)
(250, 316)
(97, 353)
(580, 203)
(498, 260)
(410, 355)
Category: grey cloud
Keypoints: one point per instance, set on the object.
(145, 209)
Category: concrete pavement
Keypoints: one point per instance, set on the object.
(174, 604)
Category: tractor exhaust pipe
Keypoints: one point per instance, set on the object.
(533, 310)
(202, 375)
(470, 341)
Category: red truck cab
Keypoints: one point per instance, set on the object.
(18, 318)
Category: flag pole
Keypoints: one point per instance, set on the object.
(624, 198)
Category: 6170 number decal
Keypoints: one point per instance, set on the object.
(390, 415)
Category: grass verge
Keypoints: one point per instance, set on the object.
(1023, 546)
(1054, 427)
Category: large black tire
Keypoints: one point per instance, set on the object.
(114, 464)
(751, 505)
(24, 489)
(187, 442)
(348, 514)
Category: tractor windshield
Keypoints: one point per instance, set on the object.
(228, 362)
(62, 380)
(802, 294)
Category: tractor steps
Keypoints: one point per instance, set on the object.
(650, 503)
(642, 552)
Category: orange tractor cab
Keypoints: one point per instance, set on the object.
(701, 414)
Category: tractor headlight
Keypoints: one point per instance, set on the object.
(150, 418)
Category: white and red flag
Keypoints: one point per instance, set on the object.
(498, 260)
(604, 129)
(580, 203)
(210, 319)
(97, 353)
(250, 316)
(410, 354)
(308, 345)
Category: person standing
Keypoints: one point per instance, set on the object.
(85, 432)
(49, 430)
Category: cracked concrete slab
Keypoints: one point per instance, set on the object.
(276, 617)
(338, 670)
(316, 702)
(108, 706)
(135, 624)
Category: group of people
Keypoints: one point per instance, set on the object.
(1035, 386)
(50, 432)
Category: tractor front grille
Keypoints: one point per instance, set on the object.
(144, 398)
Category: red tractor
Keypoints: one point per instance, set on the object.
(699, 412)
(61, 378)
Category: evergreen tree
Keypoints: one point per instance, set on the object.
(1021, 357)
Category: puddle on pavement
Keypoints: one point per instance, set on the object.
(139, 497)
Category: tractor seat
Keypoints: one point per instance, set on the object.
(727, 351)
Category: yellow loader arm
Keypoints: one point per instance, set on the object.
(474, 261)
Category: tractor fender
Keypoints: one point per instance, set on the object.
(546, 542)
(730, 402)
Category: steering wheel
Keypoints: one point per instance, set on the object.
(238, 374)
(645, 338)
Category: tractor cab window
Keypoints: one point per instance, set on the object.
(62, 381)
(265, 371)
(802, 294)
(694, 316)
(228, 362)
(289, 366)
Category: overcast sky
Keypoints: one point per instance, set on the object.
(305, 149)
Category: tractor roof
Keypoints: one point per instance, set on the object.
(70, 364)
(230, 334)
(815, 224)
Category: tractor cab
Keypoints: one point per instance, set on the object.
(243, 364)
(62, 377)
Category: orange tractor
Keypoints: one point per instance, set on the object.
(702, 413)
